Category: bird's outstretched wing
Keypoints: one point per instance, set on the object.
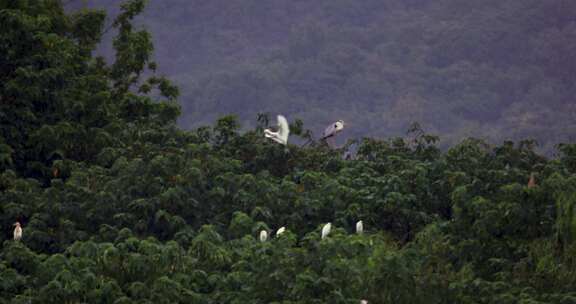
(280, 136)
(283, 127)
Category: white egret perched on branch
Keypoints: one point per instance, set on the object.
(280, 231)
(263, 236)
(359, 227)
(280, 136)
(326, 230)
(17, 231)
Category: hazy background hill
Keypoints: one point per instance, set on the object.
(493, 69)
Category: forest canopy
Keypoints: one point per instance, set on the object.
(120, 205)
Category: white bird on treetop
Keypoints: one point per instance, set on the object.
(333, 129)
(263, 236)
(359, 227)
(280, 136)
(17, 231)
(280, 231)
(326, 230)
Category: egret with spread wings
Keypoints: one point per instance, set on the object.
(280, 136)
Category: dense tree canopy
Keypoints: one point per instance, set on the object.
(118, 205)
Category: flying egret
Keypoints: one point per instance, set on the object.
(281, 136)
(326, 230)
(532, 181)
(359, 227)
(280, 231)
(17, 231)
(263, 236)
(333, 129)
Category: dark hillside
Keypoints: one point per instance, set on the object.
(491, 69)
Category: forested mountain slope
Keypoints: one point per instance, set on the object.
(119, 205)
(492, 69)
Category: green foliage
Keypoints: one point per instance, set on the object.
(567, 218)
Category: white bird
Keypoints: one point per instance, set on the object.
(363, 302)
(326, 230)
(333, 129)
(280, 231)
(281, 136)
(263, 236)
(17, 231)
(359, 227)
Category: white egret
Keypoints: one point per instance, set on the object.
(17, 231)
(359, 227)
(263, 236)
(280, 136)
(326, 230)
(333, 129)
(280, 231)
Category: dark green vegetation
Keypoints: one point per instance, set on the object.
(498, 69)
(118, 205)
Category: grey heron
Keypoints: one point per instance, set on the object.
(333, 129)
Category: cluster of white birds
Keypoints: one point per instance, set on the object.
(325, 231)
(281, 135)
(264, 234)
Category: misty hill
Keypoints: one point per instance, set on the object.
(492, 69)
